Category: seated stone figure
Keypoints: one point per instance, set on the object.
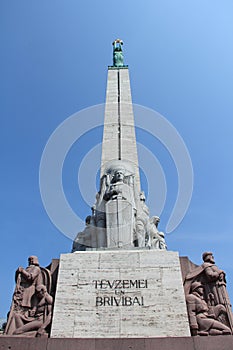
(83, 239)
(156, 238)
(204, 320)
(38, 317)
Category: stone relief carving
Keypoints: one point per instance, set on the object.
(84, 239)
(156, 237)
(142, 221)
(119, 204)
(31, 307)
(203, 319)
(208, 304)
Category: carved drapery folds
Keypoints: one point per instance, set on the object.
(208, 304)
(120, 217)
(31, 309)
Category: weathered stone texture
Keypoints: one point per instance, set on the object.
(169, 343)
(159, 309)
(119, 111)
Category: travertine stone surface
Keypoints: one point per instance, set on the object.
(120, 294)
(119, 221)
(119, 133)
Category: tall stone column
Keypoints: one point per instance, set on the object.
(119, 141)
(128, 285)
(120, 217)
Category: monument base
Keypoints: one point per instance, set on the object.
(186, 343)
(120, 294)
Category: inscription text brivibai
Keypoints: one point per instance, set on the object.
(119, 286)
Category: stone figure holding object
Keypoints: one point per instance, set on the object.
(204, 320)
(26, 282)
(213, 281)
(120, 187)
(216, 279)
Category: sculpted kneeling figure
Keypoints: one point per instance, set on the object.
(204, 320)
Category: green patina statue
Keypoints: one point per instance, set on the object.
(118, 58)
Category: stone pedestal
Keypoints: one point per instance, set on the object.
(120, 294)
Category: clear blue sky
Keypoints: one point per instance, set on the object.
(54, 58)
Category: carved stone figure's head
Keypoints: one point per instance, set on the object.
(197, 287)
(118, 176)
(119, 169)
(88, 220)
(208, 257)
(41, 291)
(33, 260)
(142, 196)
(156, 220)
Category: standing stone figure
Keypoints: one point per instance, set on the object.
(215, 277)
(27, 280)
(213, 283)
(142, 220)
(204, 320)
(120, 204)
(120, 187)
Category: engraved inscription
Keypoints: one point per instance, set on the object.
(119, 287)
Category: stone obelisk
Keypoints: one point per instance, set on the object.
(120, 281)
(119, 141)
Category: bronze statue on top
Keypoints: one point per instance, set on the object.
(118, 58)
(208, 304)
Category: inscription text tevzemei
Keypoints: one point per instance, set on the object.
(119, 286)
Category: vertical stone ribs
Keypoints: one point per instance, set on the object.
(119, 141)
(119, 115)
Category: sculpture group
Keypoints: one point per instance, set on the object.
(208, 304)
(120, 217)
(31, 310)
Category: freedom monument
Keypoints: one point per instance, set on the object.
(120, 284)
